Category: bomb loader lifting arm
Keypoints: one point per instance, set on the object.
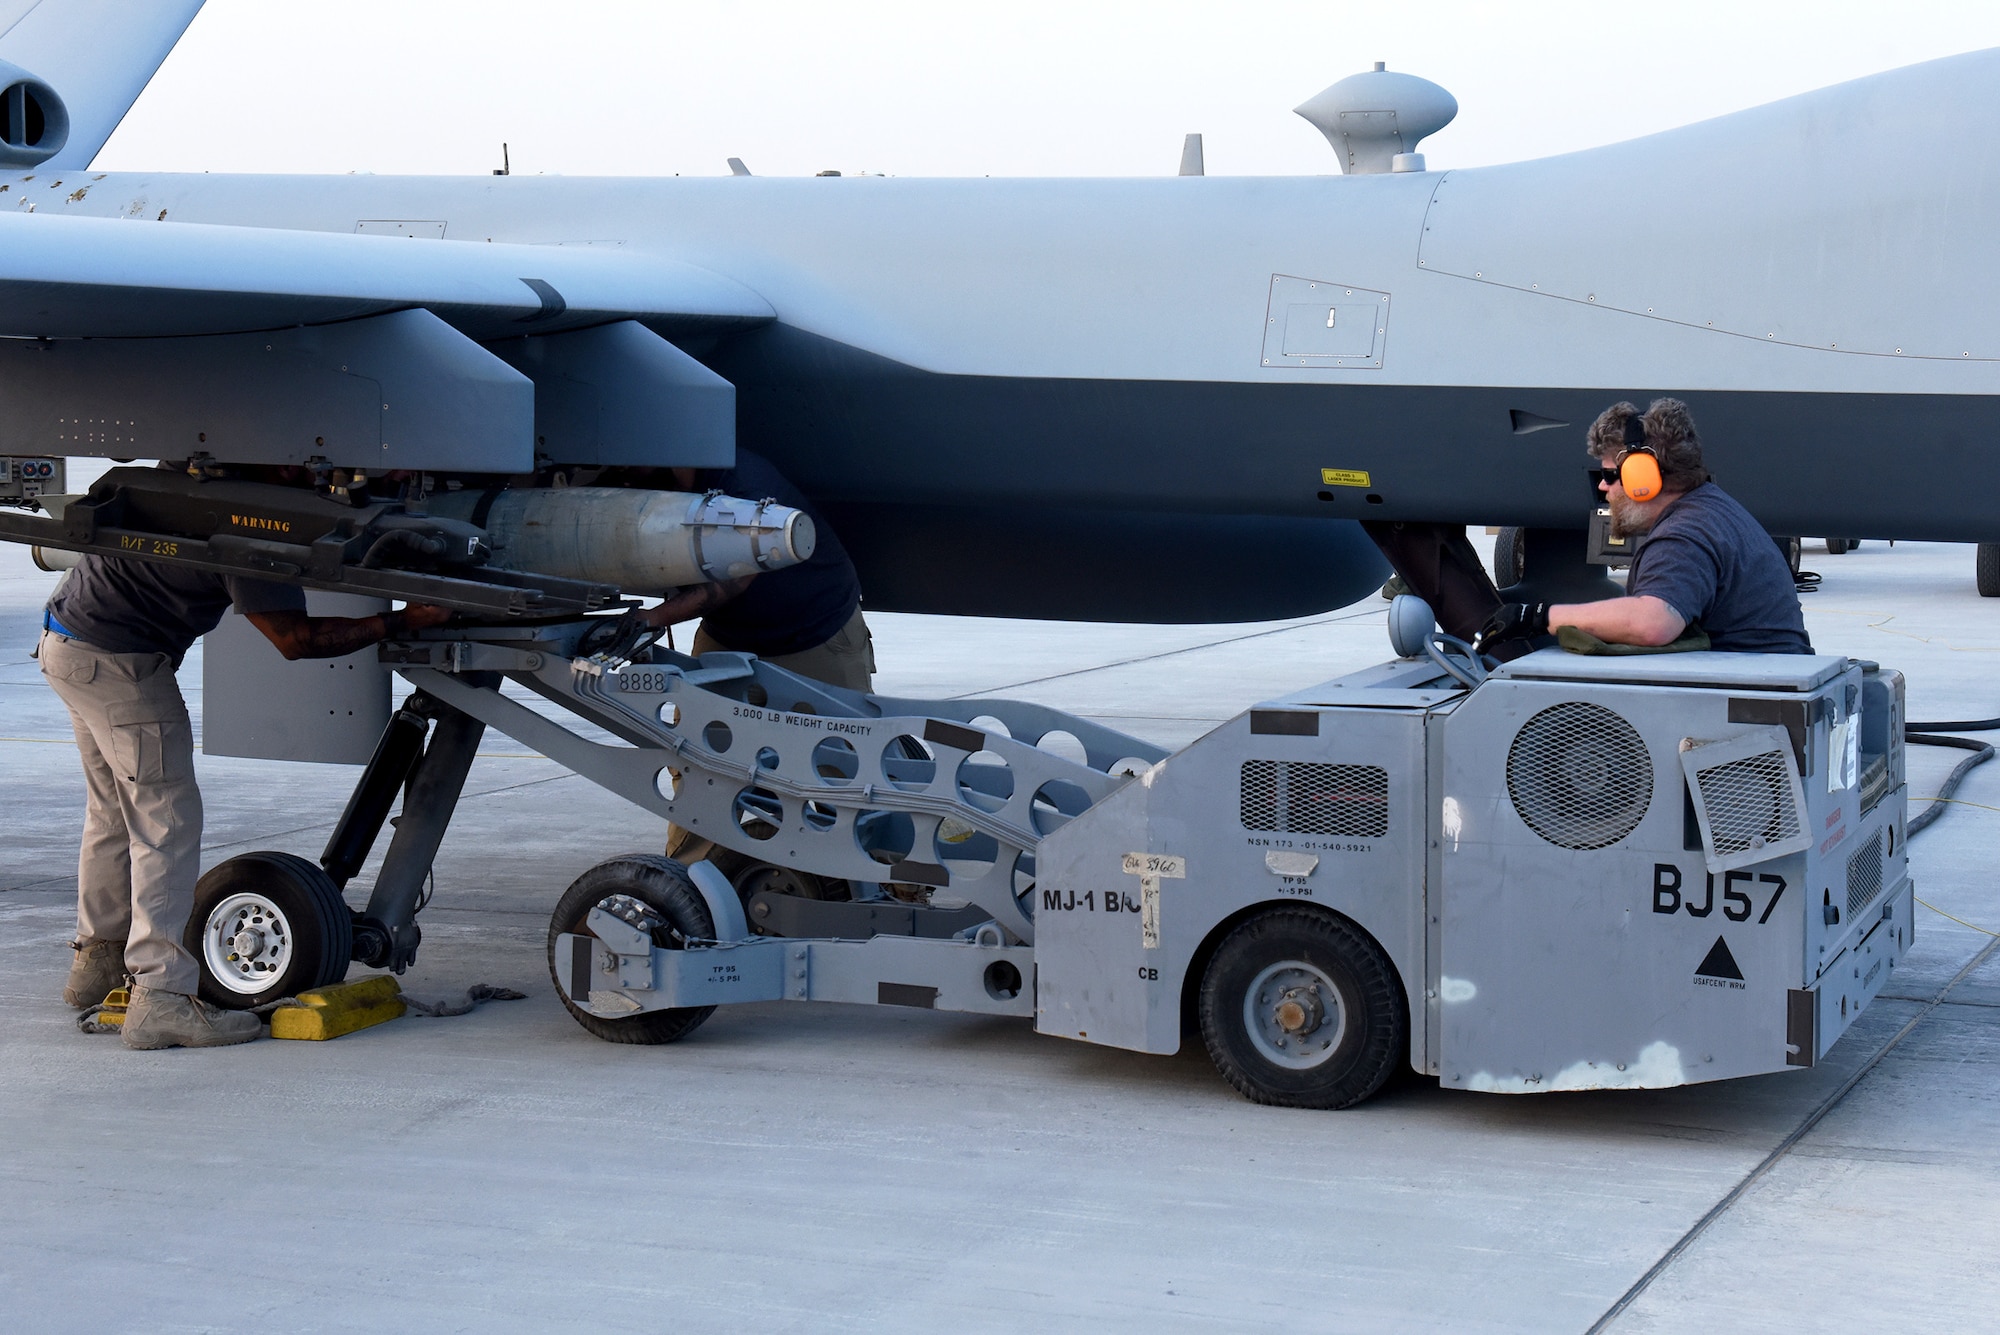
(1565, 873)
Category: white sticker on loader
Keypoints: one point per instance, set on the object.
(1149, 868)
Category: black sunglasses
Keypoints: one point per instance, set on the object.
(1608, 476)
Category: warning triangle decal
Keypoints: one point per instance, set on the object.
(1719, 963)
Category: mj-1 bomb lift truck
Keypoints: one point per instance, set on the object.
(1565, 872)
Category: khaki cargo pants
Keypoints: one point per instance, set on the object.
(848, 659)
(142, 827)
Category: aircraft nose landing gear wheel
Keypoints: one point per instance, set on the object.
(267, 925)
(643, 890)
(1301, 1009)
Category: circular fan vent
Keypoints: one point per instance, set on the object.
(1580, 776)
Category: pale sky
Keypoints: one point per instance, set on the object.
(1085, 87)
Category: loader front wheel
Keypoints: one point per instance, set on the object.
(675, 912)
(1302, 1009)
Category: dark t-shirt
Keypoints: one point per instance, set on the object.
(128, 606)
(1711, 562)
(791, 610)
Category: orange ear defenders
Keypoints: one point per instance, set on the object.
(1639, 470)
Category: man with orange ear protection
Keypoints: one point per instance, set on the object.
(1702, 559)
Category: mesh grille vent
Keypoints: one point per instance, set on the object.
(1580, 776)
(1749, 803)
(1864, 875)
(1289, 797)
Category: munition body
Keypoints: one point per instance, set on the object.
(645, 542)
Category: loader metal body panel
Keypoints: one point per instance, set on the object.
(1535, 955)
(1282, 804)
(1590, 946)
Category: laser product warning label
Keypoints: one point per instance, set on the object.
(1343, 477)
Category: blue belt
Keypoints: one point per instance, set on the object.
(50, 623)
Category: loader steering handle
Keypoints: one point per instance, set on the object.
(1459, 660)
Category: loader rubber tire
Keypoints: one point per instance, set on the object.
(663, 886)
(1371, 1029)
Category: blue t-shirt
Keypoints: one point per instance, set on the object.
(791, 610)
(1711, 562)
(123, 605)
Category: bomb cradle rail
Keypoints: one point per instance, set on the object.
(870, 790)
(493, 551)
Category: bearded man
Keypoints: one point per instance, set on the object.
(1702, 560)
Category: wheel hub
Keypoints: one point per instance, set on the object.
(1293, 1015)
(246, 943)
(1300, 1011)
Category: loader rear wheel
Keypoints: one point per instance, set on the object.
(677, 911)
(1301, 1009)
(267, 925)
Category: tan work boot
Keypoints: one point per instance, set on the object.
(98, 967)
(158, 1019)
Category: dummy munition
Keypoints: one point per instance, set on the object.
(645, 542)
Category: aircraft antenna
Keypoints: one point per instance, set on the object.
(1375, 119)
(1191, 164)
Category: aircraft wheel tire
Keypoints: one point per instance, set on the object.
(1510, 558)
(267, 925)
(1988, 569)
(1841, 546)
(1301, 1009)
(662, 885)
(1792, 549)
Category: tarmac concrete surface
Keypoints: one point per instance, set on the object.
(825, 1168)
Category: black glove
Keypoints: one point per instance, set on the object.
(618, 640)
(1513, 621)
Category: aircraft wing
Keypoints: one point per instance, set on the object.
(66, 277)
(152, 339)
